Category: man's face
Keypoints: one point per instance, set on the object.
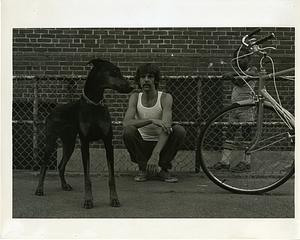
(147, 81)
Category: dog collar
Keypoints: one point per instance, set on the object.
(100, 103)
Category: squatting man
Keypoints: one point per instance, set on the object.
(150, 137)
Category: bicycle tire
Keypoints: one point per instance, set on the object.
(259, 179)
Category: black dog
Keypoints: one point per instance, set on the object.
(89, 118)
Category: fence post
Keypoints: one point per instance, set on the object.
(35, 122)
(199, 124)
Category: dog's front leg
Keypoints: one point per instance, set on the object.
(88, 197)
(114, 201)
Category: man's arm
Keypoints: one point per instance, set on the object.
(165, 123)
(167, 102)
(129, 119)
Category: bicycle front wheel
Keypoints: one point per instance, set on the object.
(232, 158)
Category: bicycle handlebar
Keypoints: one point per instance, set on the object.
(271, 36)
(249, 43)
(253, 32)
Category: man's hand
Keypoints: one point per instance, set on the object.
(152, 165)
(166, 127)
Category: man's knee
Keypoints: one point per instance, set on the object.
(179, 131)
(129, 131)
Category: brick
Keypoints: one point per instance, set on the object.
(180, 37)
(73, 45)
(55, 31)
(26, 49)
(19, 45)
(117, 32)
(100, 49)
(86, 31)
(173, 50)
(65, 40)
(129, 50)
(150, 46)
(61, 45)
(156, 41)
(136, 46)
(137, 37)
(89, 41)
(63, 36)
(159, 33)
(84, 49)
(43, 35)
(41, 30)
(175, 32)
(122, 37)
(180, 46)
(189, 33)
(150, 37)
(44, 40)
(114, 50)
(131, 32)
(21, 40)
(110, 41)
(69, 49)
(199, 41)
(132, 41)
(156, 50)
(106, 45)
(166, 37)
(107, 37)
(146, 32)
(195, 46)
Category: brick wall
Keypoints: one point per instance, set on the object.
(178, 51)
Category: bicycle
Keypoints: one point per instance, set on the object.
(270, 142)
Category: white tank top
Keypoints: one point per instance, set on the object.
(149, 132)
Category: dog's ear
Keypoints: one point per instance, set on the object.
(95, 62)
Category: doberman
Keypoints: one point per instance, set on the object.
(89, 118)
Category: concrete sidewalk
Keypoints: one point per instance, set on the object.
(194, 196)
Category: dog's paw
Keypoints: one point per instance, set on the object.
(88, 204)
(39, 192)
(67, 187)
(115, 203)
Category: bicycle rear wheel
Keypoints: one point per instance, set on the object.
(226, 138)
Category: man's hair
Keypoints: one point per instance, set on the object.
(148, 68)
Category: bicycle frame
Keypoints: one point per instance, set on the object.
(265, 99)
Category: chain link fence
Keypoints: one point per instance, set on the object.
(196, 98)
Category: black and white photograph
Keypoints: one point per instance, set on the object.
(150, 130)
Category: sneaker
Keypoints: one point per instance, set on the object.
(220, 166)
(141, 176)
(241, 167)
(166, 177)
